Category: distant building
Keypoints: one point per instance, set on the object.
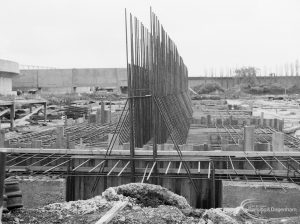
(72, 80)
(8, 70)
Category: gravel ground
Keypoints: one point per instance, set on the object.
(147, 204)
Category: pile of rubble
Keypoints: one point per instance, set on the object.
(145, 203)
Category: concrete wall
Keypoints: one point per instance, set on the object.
(229, 82)
(41, 191)
(101, 77)
(8, 70)
(63, 80)
(66, 79)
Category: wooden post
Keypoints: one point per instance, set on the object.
(45, 112)
(70, 180)
(212, 203)
(12, 115)
(2, 171)
(102, 114)
(112, 212)
(110, 111)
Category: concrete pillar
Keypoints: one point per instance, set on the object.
(280, 125)
(264, 123)
(278, 142)
(60, 137)
(98, 115)
(203, 120)
(276, 123)
(45, 112)
(208, 120)
(248, 122)
(107, 116)
(102, 113)
(262, 119)
(249, 138)
(271, 123)
(251, 107)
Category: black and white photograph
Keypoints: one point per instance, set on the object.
(149, 112)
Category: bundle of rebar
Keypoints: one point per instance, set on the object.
(157, 83)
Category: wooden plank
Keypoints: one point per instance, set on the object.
(112, 212)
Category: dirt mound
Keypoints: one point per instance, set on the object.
(146, 204)
(149, 195)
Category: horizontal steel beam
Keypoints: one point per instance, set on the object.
(142, 152)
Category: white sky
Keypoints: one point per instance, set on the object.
(90, 33)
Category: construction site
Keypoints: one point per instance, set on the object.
(148, 143)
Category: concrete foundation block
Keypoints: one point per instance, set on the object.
(278, 142)
(92, 118)
(160, 147)
(262, 147)
(126, 146)
(206, 147)
(168, 147)
(232, 147)
(219, 121)
(197, 147)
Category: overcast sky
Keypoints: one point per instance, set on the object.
(90, 33)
